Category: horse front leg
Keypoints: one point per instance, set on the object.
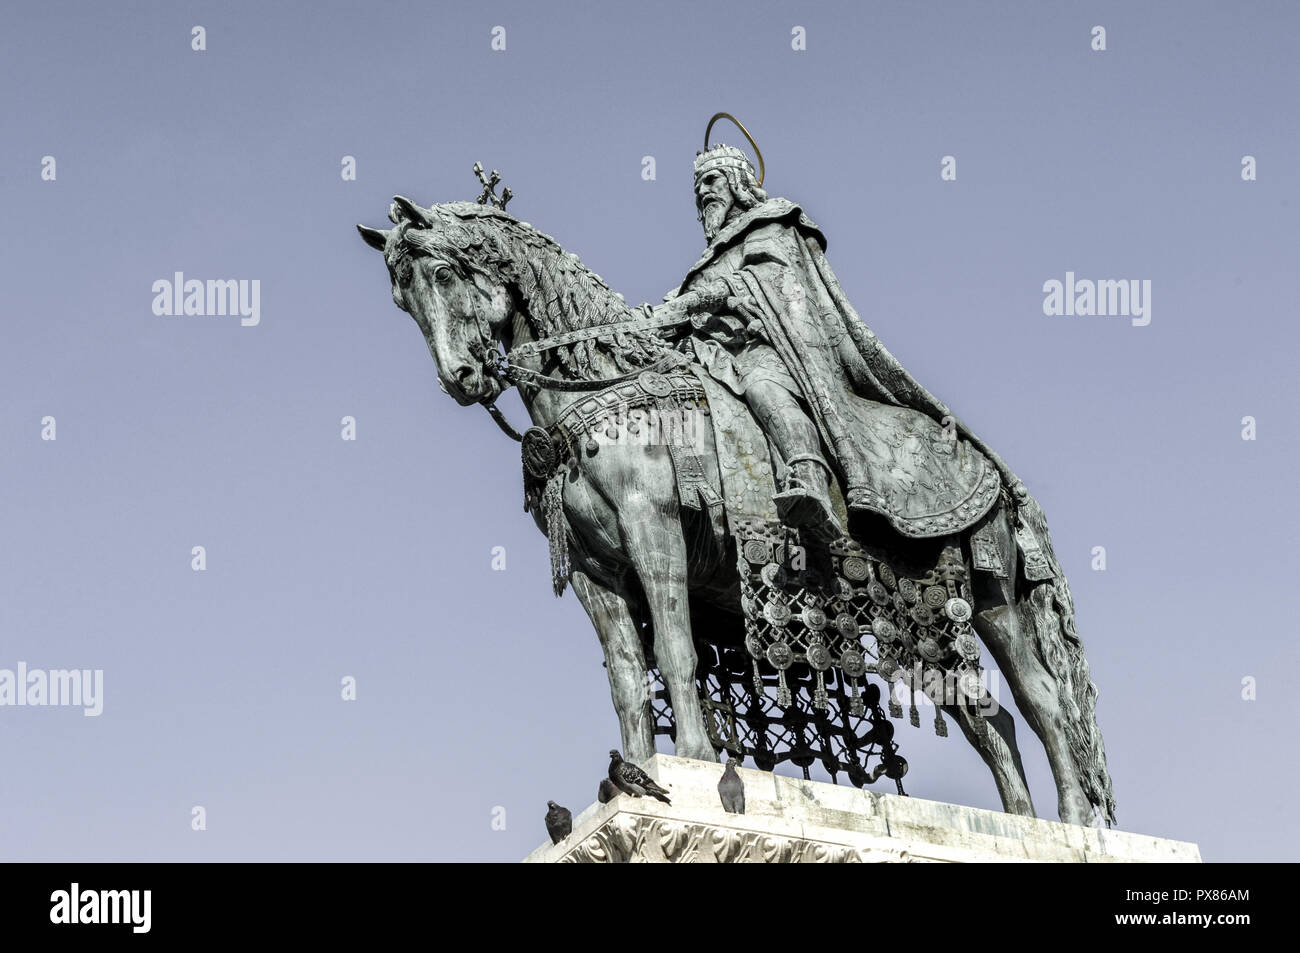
(650, 522)
(629, 683)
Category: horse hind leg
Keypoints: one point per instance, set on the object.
(1035, 689)
(991, 731)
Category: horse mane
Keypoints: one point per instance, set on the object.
(559, 292)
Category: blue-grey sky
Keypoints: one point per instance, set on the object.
(326, 558)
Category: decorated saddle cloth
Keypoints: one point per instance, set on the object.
(924, 479)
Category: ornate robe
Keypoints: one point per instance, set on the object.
(894, 445)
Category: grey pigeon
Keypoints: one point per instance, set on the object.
(559, 822)
(732, 790)
(607, 792)
(630, 779)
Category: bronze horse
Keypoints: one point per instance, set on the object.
(475, 278)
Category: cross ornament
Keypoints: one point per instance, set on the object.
(489, 196)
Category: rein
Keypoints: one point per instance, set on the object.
(504, 424)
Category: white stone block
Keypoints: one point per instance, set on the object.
(794, 821)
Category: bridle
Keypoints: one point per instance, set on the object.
(505, 367)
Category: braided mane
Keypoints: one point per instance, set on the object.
(559, 292)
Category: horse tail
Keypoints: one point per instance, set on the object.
(1048, 609)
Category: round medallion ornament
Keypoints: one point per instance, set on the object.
(957, 609)
(780, 655)
(539, 453)
(929, 650)
(922, 615)
(908, 589)
(935, 596)
(655, 384)
(754, 646)
(776, 614)
(814, 618)
(843, 589)
(884, 630)
(819, 657)
(968, 647)
(852, 663)
(887, 576)
(847, 625)
(770, 574)
(854, 568)
(888, 669)
(878, 594)
(757, 551)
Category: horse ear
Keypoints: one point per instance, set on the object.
(408, 211)
(374, 237)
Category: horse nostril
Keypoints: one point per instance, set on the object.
(464, 375)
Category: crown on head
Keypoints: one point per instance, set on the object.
(489, 195)
(722, 156)
(728, 157)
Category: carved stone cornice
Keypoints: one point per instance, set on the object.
(639, 838)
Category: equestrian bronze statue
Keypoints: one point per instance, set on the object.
(774, 528)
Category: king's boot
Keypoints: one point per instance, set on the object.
(805, 503)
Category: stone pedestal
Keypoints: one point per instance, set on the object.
(792, 821)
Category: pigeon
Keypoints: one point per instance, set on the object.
(630, 779)
(732, 790)
(607, 792)
(559, 822)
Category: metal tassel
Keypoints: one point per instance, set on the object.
(913, 715)
(783, 691)
(820, 699)
(940, 726)
(856, 707)
(557, 531)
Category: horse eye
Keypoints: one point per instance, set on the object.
(442, 274)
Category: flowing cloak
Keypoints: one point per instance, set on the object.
(898, 450)
(895, 445)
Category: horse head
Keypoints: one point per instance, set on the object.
(444, 263)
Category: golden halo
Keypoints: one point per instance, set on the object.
(762, 170)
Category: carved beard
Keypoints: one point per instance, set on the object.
(715, 214)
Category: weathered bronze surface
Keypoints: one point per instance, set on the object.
(773, 527)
